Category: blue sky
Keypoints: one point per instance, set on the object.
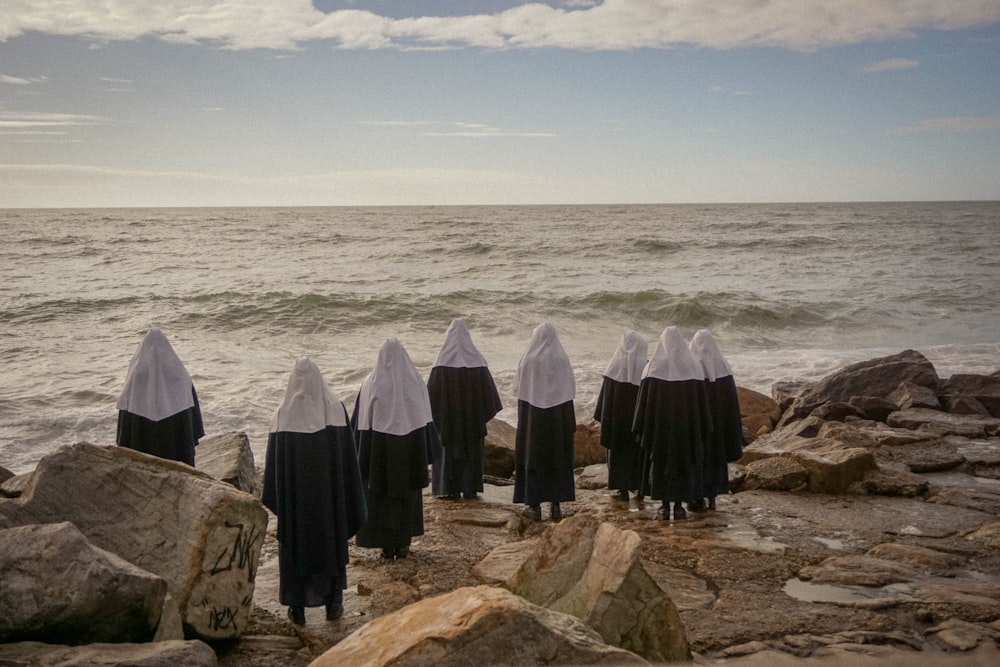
(383, 102)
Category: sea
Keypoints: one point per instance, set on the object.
(790, 292)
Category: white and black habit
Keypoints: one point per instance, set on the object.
(672, 421)
(158, 411)
(463, 399)
(312, 483)
(615, 411)
(546, 423)
(725, 443)
(396, 440)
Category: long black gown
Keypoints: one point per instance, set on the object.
(463, 401)
(312, 483)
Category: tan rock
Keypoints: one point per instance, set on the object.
(592, 570)
(157, 654)
(587, 448)
(474, 626)
(757, 410)
(228, 458)
(858, 571)
(203, 537)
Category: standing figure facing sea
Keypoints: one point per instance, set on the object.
(463, 399)
(672, 421)
(396, 440)
(546, 423)
(158, 411)
(725, 442)
(615, 411)
(313, 485)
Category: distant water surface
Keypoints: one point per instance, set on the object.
(789, 290)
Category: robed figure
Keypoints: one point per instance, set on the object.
(546, 423)
(615, 411)
(725, 442)
(158, 411)
(312, 483)
(396, 440)
(673, 423)
(463, 399)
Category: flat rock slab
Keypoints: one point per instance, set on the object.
(157, 654)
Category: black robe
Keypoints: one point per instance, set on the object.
(313, 485)
(615, 411)
(725, 443)
(543, 454)
(463, 400)
(394, 474)
(173, 437)
(672, 422)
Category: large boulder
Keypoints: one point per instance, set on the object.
(876, 377)
(587, 448)
(591, 570)
(835, 455)
(759, 412)
(984, 389)
(498, 454)
(228, 458)
(203, 537)
(59, 588)
(474, 626)
(160, 654)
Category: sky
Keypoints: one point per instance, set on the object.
(107, 103)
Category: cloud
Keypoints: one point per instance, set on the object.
(952, 124)
(573, 24)
(41, 119)
(455, 129)
(20, 81)
(891, 64)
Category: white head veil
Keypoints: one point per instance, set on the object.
(157, 385)
(706, 351)
(309, 404)
(544, 375)
(458, 350)
(393, 398)
(629, 359)
(672, 359)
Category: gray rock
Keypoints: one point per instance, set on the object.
(474, 626)
(203, 537)
(836, 411)
(60, 588)
(893, 480)
(159, 654)
(943, 423)
(498, 454)
(776, 473)
(228, 458)
(876, 377)
(592, 570)
(911, 395)
(873, 407)
(593, 477)
(984, 389)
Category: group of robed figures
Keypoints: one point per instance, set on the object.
(671, 424)
(329, 477)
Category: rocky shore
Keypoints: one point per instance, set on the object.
(864, 528)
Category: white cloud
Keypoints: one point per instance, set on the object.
(891, 64)
(952, 124)
(455, 129)
(20, 81)
(41, 119)
(573, 24)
